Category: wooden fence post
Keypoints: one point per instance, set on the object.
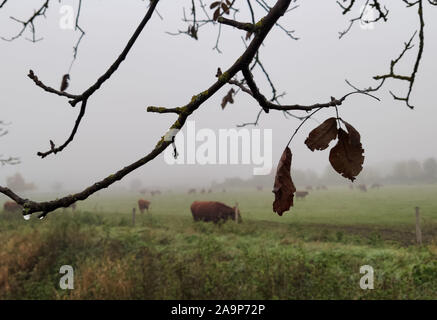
(418, 230)
(133, 216)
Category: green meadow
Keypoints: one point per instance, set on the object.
(314, 251)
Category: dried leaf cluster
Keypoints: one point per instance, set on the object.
(220, 6)
(346, 157)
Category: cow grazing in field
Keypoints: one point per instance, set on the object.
(301, 194)
(214, 211)
(202, 191)
(190, 191)
(362, 187)
(309, 188)
(11, 206)
(259, 188)
(155, 192)
(143, 204)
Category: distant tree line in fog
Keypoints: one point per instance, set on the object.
(401, 172)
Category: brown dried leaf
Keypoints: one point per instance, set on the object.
(216, 14)
(283, 188)
(225, 8)
(320, 137)
(353, 133)
(346, 157)
(214, 4)
(192, 31)
(64, 83)
(228, 98)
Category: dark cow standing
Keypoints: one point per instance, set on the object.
(10, 206)
(362, 187)
(191, 191)
(214, 211)
(301, 194)
(143, 204)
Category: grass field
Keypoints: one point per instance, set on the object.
(314, 252)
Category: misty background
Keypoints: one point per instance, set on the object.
(165, 70)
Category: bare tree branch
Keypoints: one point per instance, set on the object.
(82, 34)
(29, 22)
(53, 148)
(87, 93)
(412, 77)
(9, 160)
(40, 84)
(45, 207)
(3, 3)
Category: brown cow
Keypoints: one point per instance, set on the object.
(143, 204)
(153, 192)
(202, 191)
(214, 211)
(362, 187)
(191, 191)
(11, 206)
(301, 194)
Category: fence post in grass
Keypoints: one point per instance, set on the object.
(418, 230)
(133, 216)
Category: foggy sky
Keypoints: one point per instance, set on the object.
(165, 70)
